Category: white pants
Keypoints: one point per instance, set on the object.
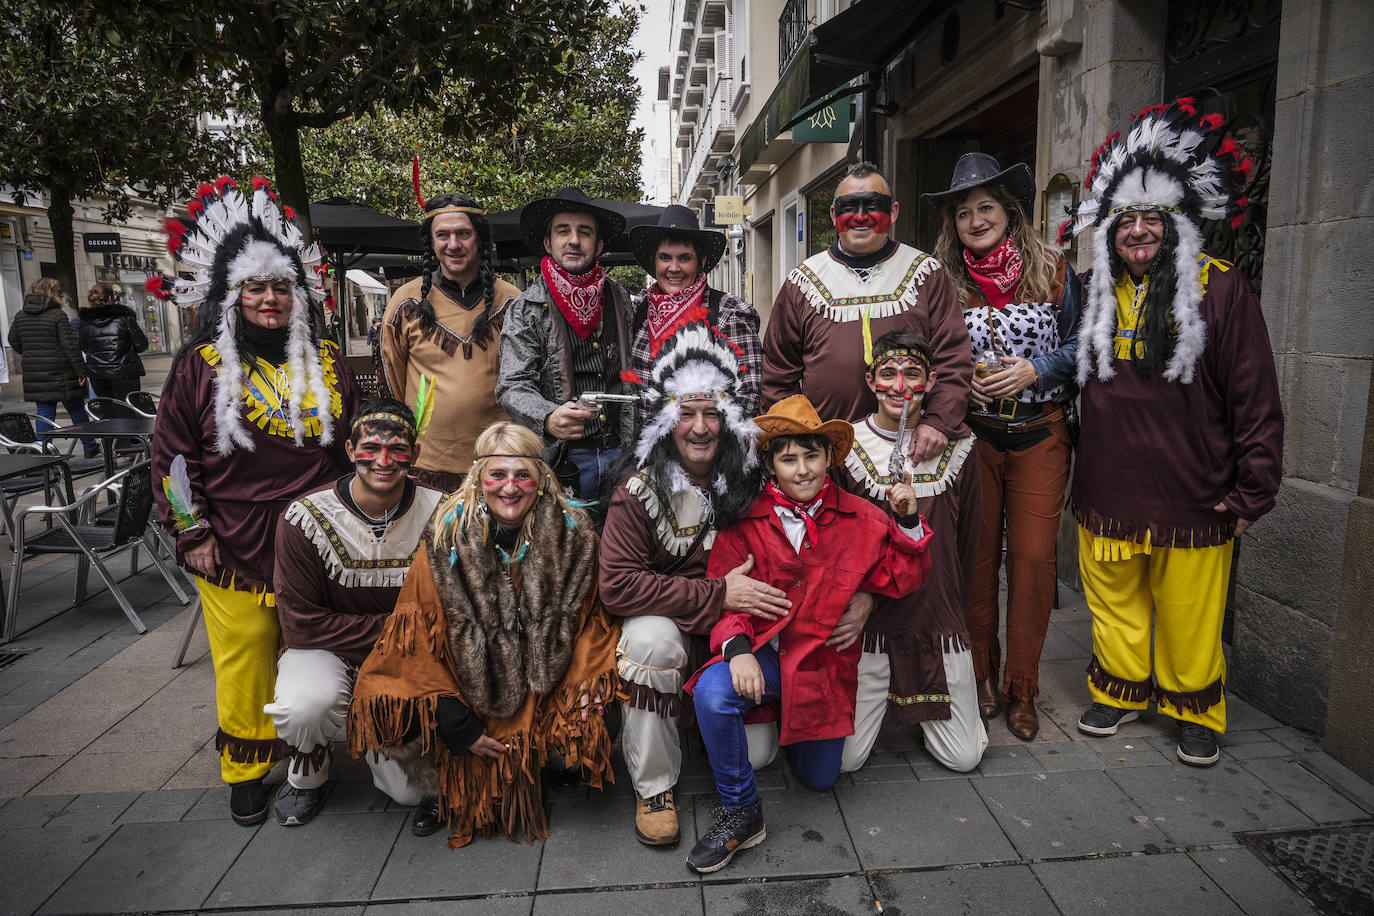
(310, 710)
(956, 743)
(653, 653)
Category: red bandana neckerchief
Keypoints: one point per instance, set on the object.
(578, 296)
(779, 498)
(998, 273)
(665, 309)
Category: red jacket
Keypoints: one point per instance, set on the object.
(859, 549)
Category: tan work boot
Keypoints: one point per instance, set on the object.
(656, 820)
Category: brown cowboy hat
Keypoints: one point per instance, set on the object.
(535, 216)
(795, 416)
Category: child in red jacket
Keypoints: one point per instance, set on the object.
(820, 545)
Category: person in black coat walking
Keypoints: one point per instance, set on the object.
(53, 368)
(111, 340)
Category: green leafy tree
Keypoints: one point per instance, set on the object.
(83, 115)
(308, 64)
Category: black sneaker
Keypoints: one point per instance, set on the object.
(248, 802)
(735, 829)
(1102, 720)
(428, 818)
(295, 806)
(1197, 745)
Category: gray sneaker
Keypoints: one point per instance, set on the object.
(1197, 745)
(295, 806)
(1102, 720)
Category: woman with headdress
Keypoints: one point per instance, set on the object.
(1020, 304)
(248, 421)
(499, 657)
(440, 337)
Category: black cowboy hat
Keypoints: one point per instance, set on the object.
(974, 170)
(536, 215)
(676, 220)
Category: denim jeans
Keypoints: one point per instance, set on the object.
(593, 464)
(720, 716)
(76, 409)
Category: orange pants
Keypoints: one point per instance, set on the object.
(1027, 488)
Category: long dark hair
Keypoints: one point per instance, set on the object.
(1156, 333)
(486, 262)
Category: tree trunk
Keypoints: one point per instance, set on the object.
(284, 133)
(60, 214)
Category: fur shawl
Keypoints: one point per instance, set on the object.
(487, 614)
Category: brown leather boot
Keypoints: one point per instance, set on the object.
(656, 820)
(1022, 719)
(989, 698)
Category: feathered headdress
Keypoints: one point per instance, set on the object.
(698, 363)
(230, 240)
(1162, 163)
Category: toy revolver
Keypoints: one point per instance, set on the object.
(896, 464)
(595, 398)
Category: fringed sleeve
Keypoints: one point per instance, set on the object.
(592, 673)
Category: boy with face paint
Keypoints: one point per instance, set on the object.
(917, 660)
(342, 555)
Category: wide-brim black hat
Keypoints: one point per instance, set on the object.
(537, 213)
(973, 170)
(676, 220)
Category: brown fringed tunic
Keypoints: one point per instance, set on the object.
(413, 665)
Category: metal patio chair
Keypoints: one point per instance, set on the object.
(144, 403)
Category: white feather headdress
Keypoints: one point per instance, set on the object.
(1162, 163)
(229, 240)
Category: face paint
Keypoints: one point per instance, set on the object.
(866, 209)
(524, 483)
(386, 450)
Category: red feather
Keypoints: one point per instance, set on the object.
(1064, 236)
(194, 208)
(1212, 122)
(1186, 105)
(260, 184)
(415, 181)
(157, 286)
(1247, 167)
(630, 376)
(224, 183)
(204, 190)
(289, 212)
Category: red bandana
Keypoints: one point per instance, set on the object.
(779, 498)
(666, 309)
(998, 273)
(578, 296)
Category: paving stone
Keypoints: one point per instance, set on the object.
(157, 807)
(664, 901)
(903, 773)
(790, 898)
(347, 854)
(212, 805)
(1125, 752)
(39, 859)
(154, 867)
(926, 826)
(1250, 883)
(964, 890)
(354, 797)
(1196, 806)
(1006, 761)
(495, 906)
(18, 775)
(592, 844)
(202, 771)
(1066, 756)
(1304, 791)
(806, 836)
(1340, 778)
(1133, 886)
(425, 867)
(32, 810)
(1054, 815)
(94, 808)
(1255, 750)
(127, 771)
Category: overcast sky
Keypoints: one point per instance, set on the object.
(652, 39)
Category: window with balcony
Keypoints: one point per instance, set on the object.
(793, 26)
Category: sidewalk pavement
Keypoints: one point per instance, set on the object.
(110, 801)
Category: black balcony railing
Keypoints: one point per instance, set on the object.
(793, 25)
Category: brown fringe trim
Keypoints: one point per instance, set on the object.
(306, 762)
(1160, 535)
(441, 336)
(1021, 686)
(1118, 688)
(382, 721)
(250, 750)
(642, 696)
(1194, 701)
(987, 660)
(903, 642)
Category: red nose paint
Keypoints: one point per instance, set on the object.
(878, 222)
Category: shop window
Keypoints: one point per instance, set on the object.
(820, 231)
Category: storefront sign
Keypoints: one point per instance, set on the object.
(132, 262)
(100, 241)
(827, 125)
(730, 210)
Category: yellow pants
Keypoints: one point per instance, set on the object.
(244, 637)
(1184, 590)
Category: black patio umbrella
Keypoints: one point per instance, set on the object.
(513, 254)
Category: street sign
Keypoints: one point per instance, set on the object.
(730, 210)
(826, 125)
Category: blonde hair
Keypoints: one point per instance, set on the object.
(502, 439)
(1040, 259)
(49, 288)
(99, 294)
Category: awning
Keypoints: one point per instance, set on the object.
(862, 39)
(366, 283)
(345, 227)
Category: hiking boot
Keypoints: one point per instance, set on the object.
(428, 818)
(248, 802)
(1102, 720)
(295, 806)
(1197, 745)
(656, 820)
(734, 829)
